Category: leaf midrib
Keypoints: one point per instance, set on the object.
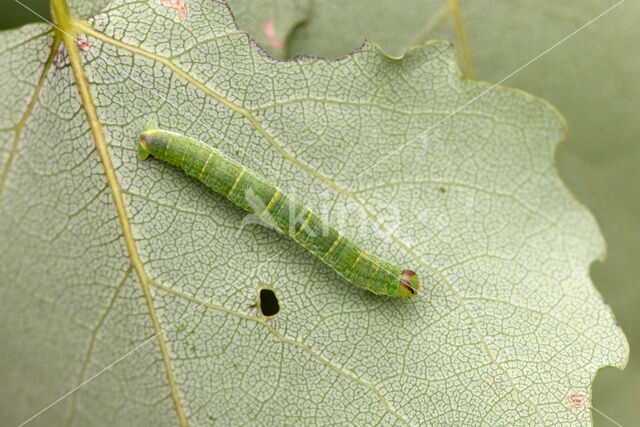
(68, 32)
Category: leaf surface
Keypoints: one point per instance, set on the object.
(274, 20)
(589, 77)
(103, 251)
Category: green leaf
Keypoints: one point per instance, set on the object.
(87, 8)
(101, 251)
(271, 21)
(590, 78)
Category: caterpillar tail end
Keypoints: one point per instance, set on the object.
(409, 284)
(143, 151)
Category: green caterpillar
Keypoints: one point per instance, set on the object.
(234, 181)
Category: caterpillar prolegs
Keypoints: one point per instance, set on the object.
(252, 193)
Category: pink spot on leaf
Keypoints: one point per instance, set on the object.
(179, 5)
(577, 400)
(84, 45)
(269, 30)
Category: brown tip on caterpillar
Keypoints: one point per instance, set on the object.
(409, 284)
(143, 146)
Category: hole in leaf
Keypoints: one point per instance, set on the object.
(268, 304)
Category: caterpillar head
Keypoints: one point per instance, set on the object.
(143, 148)
(409, 284)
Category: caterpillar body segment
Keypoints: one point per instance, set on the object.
(255, 195)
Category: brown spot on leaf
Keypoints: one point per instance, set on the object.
(59, 59)
(179, 5)
(577, 400)
(84, 45)
(269, 30)
(442, 189)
